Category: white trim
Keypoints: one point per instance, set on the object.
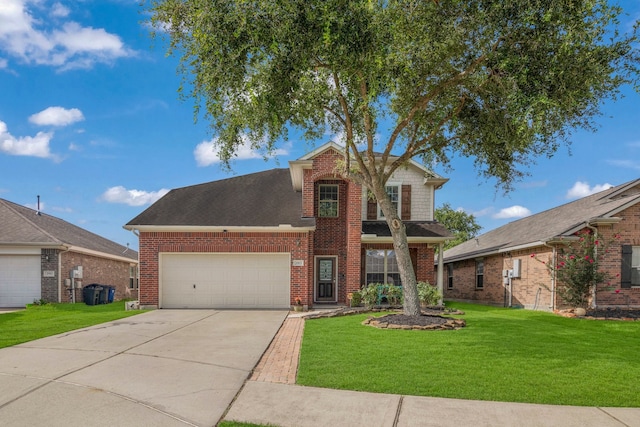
(28, 250)
(102, 254)
(315, 278)
(398, 185)
(373, 238)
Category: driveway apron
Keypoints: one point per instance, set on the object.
(161, 368)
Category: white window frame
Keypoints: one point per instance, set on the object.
(134, 277)
(635, 264)
(385, 272)
(398, 186)
(337, 201)
(478, 274)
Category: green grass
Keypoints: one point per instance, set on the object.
(502, 355)
(39, 321)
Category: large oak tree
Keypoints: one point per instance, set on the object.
(500, 81)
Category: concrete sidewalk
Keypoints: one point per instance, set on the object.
(165, 368)
(272, 398)
(286, 405)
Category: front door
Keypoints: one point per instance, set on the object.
(325, 279)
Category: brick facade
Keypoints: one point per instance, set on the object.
(96, 269)
(154, 243)
(533, 289)
(337, 237)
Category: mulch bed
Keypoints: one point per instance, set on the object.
(613, 314)
(431, 319)
(604, 314)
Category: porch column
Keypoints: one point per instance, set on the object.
(440, 278)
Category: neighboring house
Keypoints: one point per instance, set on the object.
(503, 267)
(38, 252)
(267, 239)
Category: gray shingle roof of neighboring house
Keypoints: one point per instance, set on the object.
(553, 223)
(20, 225)
(261, 199)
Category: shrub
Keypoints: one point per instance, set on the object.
(394, 294)
(356, 299)
(428, 294)
(369, 294)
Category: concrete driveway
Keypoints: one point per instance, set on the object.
(161, 368)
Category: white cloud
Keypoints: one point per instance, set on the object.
(57, 116)
(582, 189)
(119, 194)
(3, 63)
(36, 146)
(33, 40)
(207, 153)
(627, 164)
(59, 10)
(512, 212)
(483, 212)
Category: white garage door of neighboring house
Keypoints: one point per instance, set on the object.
(19, 280)
(224, 280)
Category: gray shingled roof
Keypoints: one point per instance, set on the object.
(414, 229)
(552, 223)
(262, 199)
(21, 225)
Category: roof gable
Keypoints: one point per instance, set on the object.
(545, 226)
(24, 226)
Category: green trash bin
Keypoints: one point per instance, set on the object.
(91, 294)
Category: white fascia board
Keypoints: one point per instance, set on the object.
(102, 254)
(28, 248)
(296, 169)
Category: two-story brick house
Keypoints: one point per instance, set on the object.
(269, 239)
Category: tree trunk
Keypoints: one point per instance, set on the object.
(401, 246)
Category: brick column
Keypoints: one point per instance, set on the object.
(354, 236)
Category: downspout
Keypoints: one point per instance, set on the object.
(553, 276)
(595, 256)
(440, 278)
(60, 279)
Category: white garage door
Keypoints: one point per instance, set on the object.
(224, 280)
(19, 280)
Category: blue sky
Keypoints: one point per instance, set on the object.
(90, 120)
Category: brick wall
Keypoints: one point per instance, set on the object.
(153, 243)
(533, 288)
(49, 285)
(96, 270)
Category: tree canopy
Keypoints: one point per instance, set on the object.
(463, 225)
(501, 82)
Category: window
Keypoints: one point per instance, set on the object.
(480, 274)
(328, 201)
(449, 276)
(393, 190)
(133, 277)
(630, 275)
(381, 266)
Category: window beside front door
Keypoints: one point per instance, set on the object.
(381, 266)
(479, 274)
(630, 274)
(328, 201)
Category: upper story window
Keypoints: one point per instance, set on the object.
(393, 191)
(328, 201)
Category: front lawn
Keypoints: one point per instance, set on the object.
(39, 321)
(502, 355)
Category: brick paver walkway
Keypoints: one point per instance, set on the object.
(279, 364)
